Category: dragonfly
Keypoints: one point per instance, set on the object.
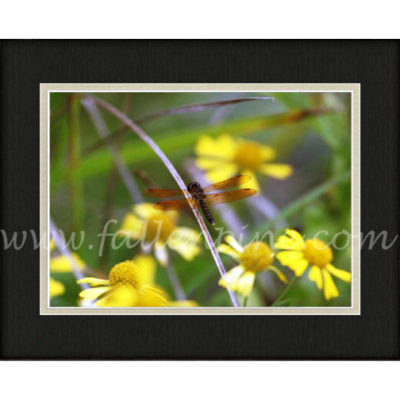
(202, 198)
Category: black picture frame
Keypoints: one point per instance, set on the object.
(372, 335)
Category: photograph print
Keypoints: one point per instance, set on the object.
(200, 199)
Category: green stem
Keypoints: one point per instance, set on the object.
(245, 302)
(285, 291)
(74, 163)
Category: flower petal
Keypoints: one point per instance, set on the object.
(56, 288)
(225, 249)
(161, 253)
(184, 241)
(209, 163)
(245, 283)
(222, 147)
(147, 267)
(300, 267)
(280, 275)
(330, 289)
(145, 210)
(277, 171)
(63, 263)
(234, 243)
(294, 260)
(121, 296)
(294, 235)
(94, 293)
(132, 226)
(268, 153)
(316, 276)
(152, 297)
(339, 273)
(253, 182)
(231, 277)
(183, 303)
(207, 146)
(291, 241)
(94, 281)
(289, 257)
(221, 173)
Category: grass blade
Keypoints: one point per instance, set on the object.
(74, 163)
(197, 107)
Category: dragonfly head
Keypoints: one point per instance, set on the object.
(194, 187)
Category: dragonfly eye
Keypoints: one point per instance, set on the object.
(193, 186)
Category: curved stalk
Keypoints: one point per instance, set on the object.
(128, 180)
(143, 135)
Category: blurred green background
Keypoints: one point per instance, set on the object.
(86, 190)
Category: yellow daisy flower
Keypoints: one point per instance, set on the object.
(158, 228)
(56, 288)
(301, 253)
(253, 258)
(129, 284)
(224, 156)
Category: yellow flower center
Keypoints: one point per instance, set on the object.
(126, 272)
(317, 252)
(249, 156)
(159, 227)
(256, 256)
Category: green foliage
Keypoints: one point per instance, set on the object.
(316, 198)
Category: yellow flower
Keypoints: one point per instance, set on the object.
(158, 228)
(129, 284)
(223, 157)
(301, 253)
(253, 258)
(56, 288)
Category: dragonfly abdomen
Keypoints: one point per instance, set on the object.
(206, 212)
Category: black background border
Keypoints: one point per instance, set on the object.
(374, 64)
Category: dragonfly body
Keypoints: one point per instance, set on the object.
(200, 197)
(197, 193)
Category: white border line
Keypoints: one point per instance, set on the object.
(47, 89)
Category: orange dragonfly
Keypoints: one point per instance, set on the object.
(202, 197)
